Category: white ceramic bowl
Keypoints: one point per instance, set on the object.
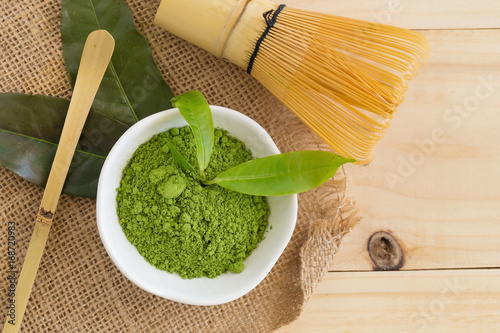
(198, 291)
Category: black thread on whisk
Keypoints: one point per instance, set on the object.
(270, 21)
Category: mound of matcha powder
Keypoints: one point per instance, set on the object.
(177, 224)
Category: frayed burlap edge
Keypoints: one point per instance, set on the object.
(325, 234)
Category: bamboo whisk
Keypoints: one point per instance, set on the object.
(344, 78)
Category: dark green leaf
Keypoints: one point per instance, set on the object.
(195, 109)
(281, 174)
(30, 127)
(179, 159)
(32, 158)
(133, 87)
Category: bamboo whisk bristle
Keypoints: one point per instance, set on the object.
(342, 77)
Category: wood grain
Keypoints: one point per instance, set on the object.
(434, 184)
(422, 14)
(404, 302)
(440, 198)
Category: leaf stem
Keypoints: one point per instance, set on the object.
(209, 182)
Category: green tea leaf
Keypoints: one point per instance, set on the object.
(30, 128)
(179, 159)
(195, 109)
(132, 87)
(281, 174)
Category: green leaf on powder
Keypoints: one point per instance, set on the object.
(195, 110)
(179, 159)
(281, 174)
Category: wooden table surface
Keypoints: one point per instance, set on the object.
(434, 185)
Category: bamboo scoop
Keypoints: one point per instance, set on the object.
(95, 59)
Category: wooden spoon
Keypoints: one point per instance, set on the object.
(95, 59)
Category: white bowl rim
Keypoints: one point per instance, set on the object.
(101, 208)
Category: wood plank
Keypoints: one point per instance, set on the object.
(423, 14)
(398, 301)
(440, 197)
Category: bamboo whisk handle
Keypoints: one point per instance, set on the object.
(228, 29)
(95, 59)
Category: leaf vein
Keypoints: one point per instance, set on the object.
(115, 75)
(48, 142)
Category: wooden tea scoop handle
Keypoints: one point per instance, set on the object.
(95, 59)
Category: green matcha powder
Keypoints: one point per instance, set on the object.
(177, 224)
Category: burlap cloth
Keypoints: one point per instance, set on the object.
(78, 288)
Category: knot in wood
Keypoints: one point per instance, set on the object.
(385, 251)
